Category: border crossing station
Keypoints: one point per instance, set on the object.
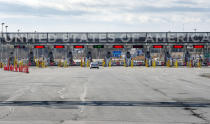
(171, 49)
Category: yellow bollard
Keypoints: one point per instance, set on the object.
(21, 63)
(81, 64)
(199, 64)
(176, 64)
(153, 63)
(131, 63)
(124, 63)
(168, 63)
(0, 65)
(65, 64)
(103, 64)
(59, 63)
(43, 64)
(190, 64)
(110, 63)
(88, 63)
(37, 63)
(146, 63)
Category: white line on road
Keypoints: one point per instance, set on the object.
(60, 92)
(83, 96)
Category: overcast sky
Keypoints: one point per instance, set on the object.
(105, 15)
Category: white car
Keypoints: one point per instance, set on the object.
(94, 65)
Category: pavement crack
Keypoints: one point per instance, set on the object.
(60, 122)
(197, 115)
(13, 97)
(154, 89)
(193, 83)
(11, 110)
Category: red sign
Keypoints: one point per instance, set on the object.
(59, 46)
(78, 47)
(118, 46)
(158, 46)
(178, 46)
(198, 46)
(39, 47)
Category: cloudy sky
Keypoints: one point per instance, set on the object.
(105, 15)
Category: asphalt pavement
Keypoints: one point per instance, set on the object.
(116, 95)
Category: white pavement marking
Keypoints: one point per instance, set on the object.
(60, 92)
(17, 94)
(83, 96)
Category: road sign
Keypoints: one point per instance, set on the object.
(116, 53)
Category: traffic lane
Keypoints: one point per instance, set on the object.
(119, 84)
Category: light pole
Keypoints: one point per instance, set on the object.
(2, 27)
(6, 28)
(2, 30)
(17, 52)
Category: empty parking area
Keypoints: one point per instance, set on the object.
(116, 95)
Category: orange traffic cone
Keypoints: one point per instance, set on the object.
(20, 69)
(16, 69)
(10, 68)
(26, 69)
(6, 68)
